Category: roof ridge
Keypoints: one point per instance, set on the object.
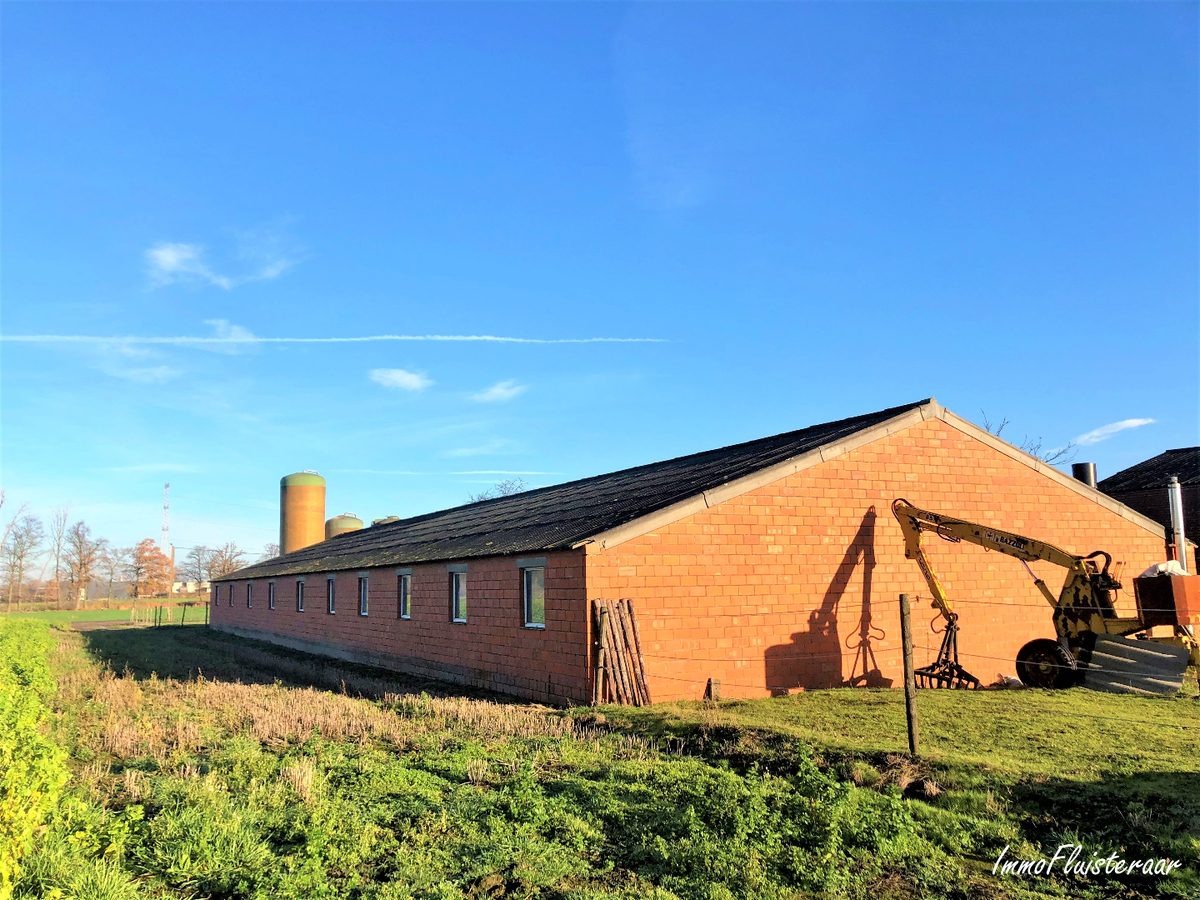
(556, 516)
(889, 412)
(1153, 473)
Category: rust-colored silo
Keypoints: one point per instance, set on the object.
(301, 510)
(341, 524)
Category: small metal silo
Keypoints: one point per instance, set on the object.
(342, 524)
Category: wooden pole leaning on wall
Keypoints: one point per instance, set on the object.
(616, 677)
(598, 692)
(910, 678)
(625, 641)
(620, 660)
(620, 667)
(640, 661)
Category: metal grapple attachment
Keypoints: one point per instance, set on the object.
(945, 671)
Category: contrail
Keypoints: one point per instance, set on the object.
(251, 339)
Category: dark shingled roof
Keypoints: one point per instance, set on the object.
(557, 517)
(1183, 463)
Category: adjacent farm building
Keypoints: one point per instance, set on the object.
(766, 567)
(1144, 487)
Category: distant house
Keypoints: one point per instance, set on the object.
(189, 587)
(767, 566)
(1144, 487)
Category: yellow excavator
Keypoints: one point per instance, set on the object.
(1094, 647)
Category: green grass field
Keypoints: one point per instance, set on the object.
(203, 765)
(64, 616)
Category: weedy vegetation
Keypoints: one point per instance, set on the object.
(178, 762)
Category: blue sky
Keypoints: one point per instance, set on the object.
(816, 210)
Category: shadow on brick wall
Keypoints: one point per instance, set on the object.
(814, 658)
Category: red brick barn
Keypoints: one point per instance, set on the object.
(767, 566)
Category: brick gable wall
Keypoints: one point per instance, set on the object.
(795, 584)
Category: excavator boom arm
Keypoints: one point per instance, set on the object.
(915, 521)
(1092, 638)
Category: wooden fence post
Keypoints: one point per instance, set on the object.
(910, 678)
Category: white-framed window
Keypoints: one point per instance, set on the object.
(300, 596)
(331, 595)
(270, 595)
(533, 593)
(249, 595)
(404, 596)
(362, 595)
(458, 596)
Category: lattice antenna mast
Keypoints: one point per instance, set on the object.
(166, 523)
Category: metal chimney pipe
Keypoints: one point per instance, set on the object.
(1175, 498)
(1085, 472)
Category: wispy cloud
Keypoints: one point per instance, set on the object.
(228, 338)
(501, 472)
(142, 374)
(499, 392)
(400, 379)
(377, 472)
(247, 338)
(675, 146)
(489, 449)
(1104, 432)
(268, 250)
(262, 249)
(406, 472)
(181, 263)
(153, 467)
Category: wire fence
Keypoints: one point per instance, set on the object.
(761, 655)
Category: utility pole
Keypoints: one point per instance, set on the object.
(165, 540)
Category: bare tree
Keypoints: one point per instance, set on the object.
(196, 564)
(25, 536)
(58, 534)
(225, 559)
(269, 551)
(994, 429)
(1058, 456)
(82, 555)
(12, 523)
(505, 488)
(113, 563)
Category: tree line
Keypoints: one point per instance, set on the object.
(56, 562)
